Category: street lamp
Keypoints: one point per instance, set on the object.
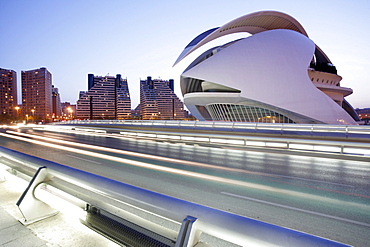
(17, 109)
(70, 111)
(33, 114)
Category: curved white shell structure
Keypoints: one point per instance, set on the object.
(276, 75)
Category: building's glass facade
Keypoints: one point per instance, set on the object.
(245, 113)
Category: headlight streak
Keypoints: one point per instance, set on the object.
(172, 160)
(148, 156)
(141, 164)
(297, 147)
(176, 171)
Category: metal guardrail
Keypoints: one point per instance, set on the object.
(277, 128)
(194, 219)
(348, 148)
(320, 146)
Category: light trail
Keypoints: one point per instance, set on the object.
(171, 160)
(177, 171)
(139, 163)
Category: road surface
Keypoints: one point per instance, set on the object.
(326, 197)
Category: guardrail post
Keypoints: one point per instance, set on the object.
(188, 235)
(32, 208)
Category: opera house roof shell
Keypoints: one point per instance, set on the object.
(275, 75)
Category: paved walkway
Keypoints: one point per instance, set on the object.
(13, 233)
(63, 229)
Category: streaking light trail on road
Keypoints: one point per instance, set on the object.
(170, 170)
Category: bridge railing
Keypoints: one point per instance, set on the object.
(289, 144)
(346, 131)
(96, 192)
(361, 148)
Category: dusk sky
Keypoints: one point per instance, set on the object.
(136, 39)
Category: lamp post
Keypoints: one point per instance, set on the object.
(17, 109)
(33, 114)
(70, 111)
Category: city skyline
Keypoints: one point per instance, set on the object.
(73, 39)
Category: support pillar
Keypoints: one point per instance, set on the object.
(188, 235)
(32, 208)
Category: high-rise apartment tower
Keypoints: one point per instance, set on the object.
(37, 93)
(56, 103)
(158, 100)
(8, 92)
(108, 97)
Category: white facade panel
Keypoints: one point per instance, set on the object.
(277, 74)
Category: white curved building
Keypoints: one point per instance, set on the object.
(275, 75)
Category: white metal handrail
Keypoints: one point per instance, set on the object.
(197, 218)
(308, 129)
(323, 146)
(348, 148)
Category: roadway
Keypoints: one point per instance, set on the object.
(321, 196)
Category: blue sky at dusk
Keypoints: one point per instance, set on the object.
(144, 38)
